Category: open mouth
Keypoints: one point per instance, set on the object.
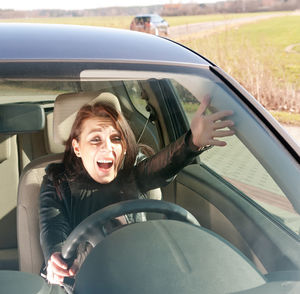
(105, 164)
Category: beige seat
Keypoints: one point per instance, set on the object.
(30, 253)
(9, 173)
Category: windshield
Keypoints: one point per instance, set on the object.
(245, 163)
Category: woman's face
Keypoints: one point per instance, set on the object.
(100, 148)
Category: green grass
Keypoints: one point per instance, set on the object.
(254, 54)
(273, 36)
(297, 48)
(189, 19)
(287, 117)
(265, 41)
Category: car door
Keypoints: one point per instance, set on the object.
(248, 191)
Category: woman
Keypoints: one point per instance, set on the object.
(98, 169)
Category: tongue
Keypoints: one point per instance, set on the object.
(105, 165)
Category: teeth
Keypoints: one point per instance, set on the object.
(104, 161)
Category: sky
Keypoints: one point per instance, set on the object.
(85, 4)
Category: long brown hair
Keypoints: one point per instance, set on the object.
(73, 166)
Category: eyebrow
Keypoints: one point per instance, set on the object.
(99, 129)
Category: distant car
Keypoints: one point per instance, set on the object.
(150, 23)
(246, 196)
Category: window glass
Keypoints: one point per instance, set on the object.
(16, 90)
(156, 18)
(135, 93)
(237, 165)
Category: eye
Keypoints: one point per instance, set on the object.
(116, 139)
(95, 140)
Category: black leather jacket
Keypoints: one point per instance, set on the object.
(80, 198)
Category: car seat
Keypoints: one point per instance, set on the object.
(65, 109)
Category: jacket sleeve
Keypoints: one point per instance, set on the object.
(54, 221)
(159, 169)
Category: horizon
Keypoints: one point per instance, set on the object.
(88, 4)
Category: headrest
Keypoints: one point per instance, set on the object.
(66, 107)
(18, 118)
(51, 146)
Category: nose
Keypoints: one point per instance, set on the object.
(106, 145)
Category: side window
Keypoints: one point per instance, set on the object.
(135, 93)
(238, 166)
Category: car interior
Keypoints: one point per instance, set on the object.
(33, 150)
(36, 116)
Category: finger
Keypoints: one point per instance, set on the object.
(223, 124)
(60, 280)
(60, 272)
(223, 133)
(122, 220)
(204, 104)
(57, 279)
(56, 258)
(56, 269)
(220, 114)
(217, 143)
(52, 278)
(73, 270)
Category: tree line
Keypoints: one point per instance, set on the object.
(232, 6)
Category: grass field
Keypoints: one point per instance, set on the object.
(287, 118)
(269, 39)
(254, 54)
(189, 19)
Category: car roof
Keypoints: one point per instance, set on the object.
(27, 42)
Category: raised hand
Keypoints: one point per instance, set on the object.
(207, 128)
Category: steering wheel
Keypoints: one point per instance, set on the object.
(90, 229)
(174, 248)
